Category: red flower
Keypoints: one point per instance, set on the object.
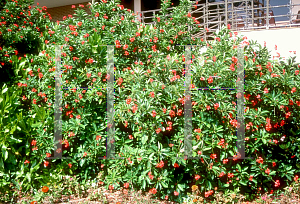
(214, 58)
(277, 183)
(70, 165)
(197, 177)
(46, 163)
(232, 67)
(210, 80)
(213, 156)
(267, 171)
(287, 115)
(234, 59)
(293, 90)
(153, 191)
(160, 165)
(273, 164)
(179, 112)
(158, 130)
(228, 26)
(230, 175)
(225, 161)
(66, 143)
(78, 117)
(172, 113)
(71, 134)
(296, 178)
(260, 160)
(266, 90)
(152, 94)
(251, 177)
(208, 107)
(126, 185)
(176, 165)
(33, 142)
(45, 189)
(120, 81)
(150, 176)
(221, 174)
(176, 193)
(268, 126)
(26, 162)
(128, 101)
(153, 113)
(221, 142)
(40, 75)
(216, 106)
(296, 72)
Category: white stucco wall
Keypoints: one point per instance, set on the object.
(286, 39)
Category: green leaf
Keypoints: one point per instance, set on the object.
(5, 154)
(164, 184)
(82, 161)
(239, 167)
(243, 183)
(180, 187)
(144, 184)
(28, 176)
(144, 139)
(4, 90)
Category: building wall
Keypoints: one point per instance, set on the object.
(57, 13)
(286, 39)
(295, 9)
(57, 3)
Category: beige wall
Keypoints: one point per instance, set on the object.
(57, 3)
(296, 8)
(286, 39)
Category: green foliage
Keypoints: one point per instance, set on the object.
(21, 29)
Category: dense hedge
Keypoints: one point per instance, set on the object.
(149, 108)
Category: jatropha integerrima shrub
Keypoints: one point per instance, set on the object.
(21, 29)
(149, 106)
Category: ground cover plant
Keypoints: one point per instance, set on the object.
(149, 110)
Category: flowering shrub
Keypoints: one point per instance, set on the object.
(21, 29)
(149, 107)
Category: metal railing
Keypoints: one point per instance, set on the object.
(248, 15)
